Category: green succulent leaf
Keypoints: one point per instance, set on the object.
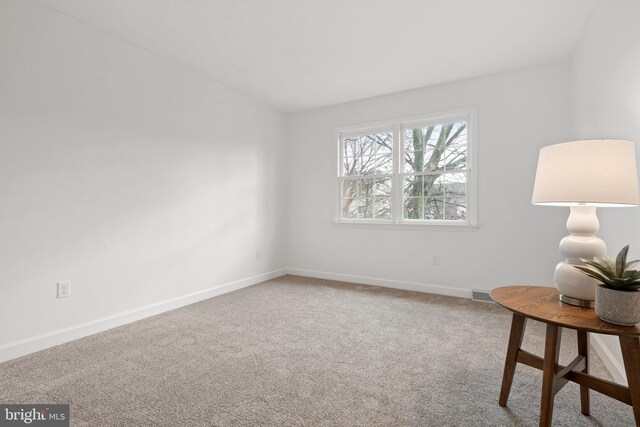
(605, 260)
(605, 270)
(621, 260)
(631, 274)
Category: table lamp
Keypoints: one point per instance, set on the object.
(584, 175)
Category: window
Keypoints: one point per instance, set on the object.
(415, 171)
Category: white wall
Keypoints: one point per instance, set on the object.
(606, 104)
(142, 182)
(517, 243)
(134, 178)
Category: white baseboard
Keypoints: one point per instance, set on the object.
(25, 346)
(396, 284)
(610, 362)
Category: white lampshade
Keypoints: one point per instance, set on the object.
(598, 172)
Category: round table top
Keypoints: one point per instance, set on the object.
(542, 303)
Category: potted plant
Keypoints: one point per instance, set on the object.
(617, 296)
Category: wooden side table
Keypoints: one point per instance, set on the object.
(541, 303)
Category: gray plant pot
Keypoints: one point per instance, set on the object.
(618, 307)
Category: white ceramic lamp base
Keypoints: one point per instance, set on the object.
(575, 287)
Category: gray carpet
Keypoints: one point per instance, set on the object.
(303, 352)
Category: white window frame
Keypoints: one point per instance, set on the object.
(397, 126)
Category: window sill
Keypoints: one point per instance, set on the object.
(406, 226)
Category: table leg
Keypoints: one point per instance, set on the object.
(630, 347)
(549, 370)
(583, 350)
(518, 323)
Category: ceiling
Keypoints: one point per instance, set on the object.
(299, 54)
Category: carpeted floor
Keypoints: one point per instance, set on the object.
(303, 352)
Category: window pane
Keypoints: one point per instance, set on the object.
(382, 187)
(349, 208)
(413, 186)
(349, 188)
(348, 165)
(383, 163)
(414, 145)
(434, 208)
(412, 196)
(424, 196)
(358, 208)
(434, 186)
(365, 207)
(382, 206)
(365, 187)
(434, 145)
(422, 149)
(413, 161)
(413, 140)
(455, 196)
(436, 148)
(387, 146)
(413, 208)
(368, 154)
(366, 197)
(456, 151)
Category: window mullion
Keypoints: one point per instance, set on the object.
(444, 195)
(338, 209)
(396, 182)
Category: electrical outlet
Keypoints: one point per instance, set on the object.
(436, 260)
(64, 289)
(257, 254)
